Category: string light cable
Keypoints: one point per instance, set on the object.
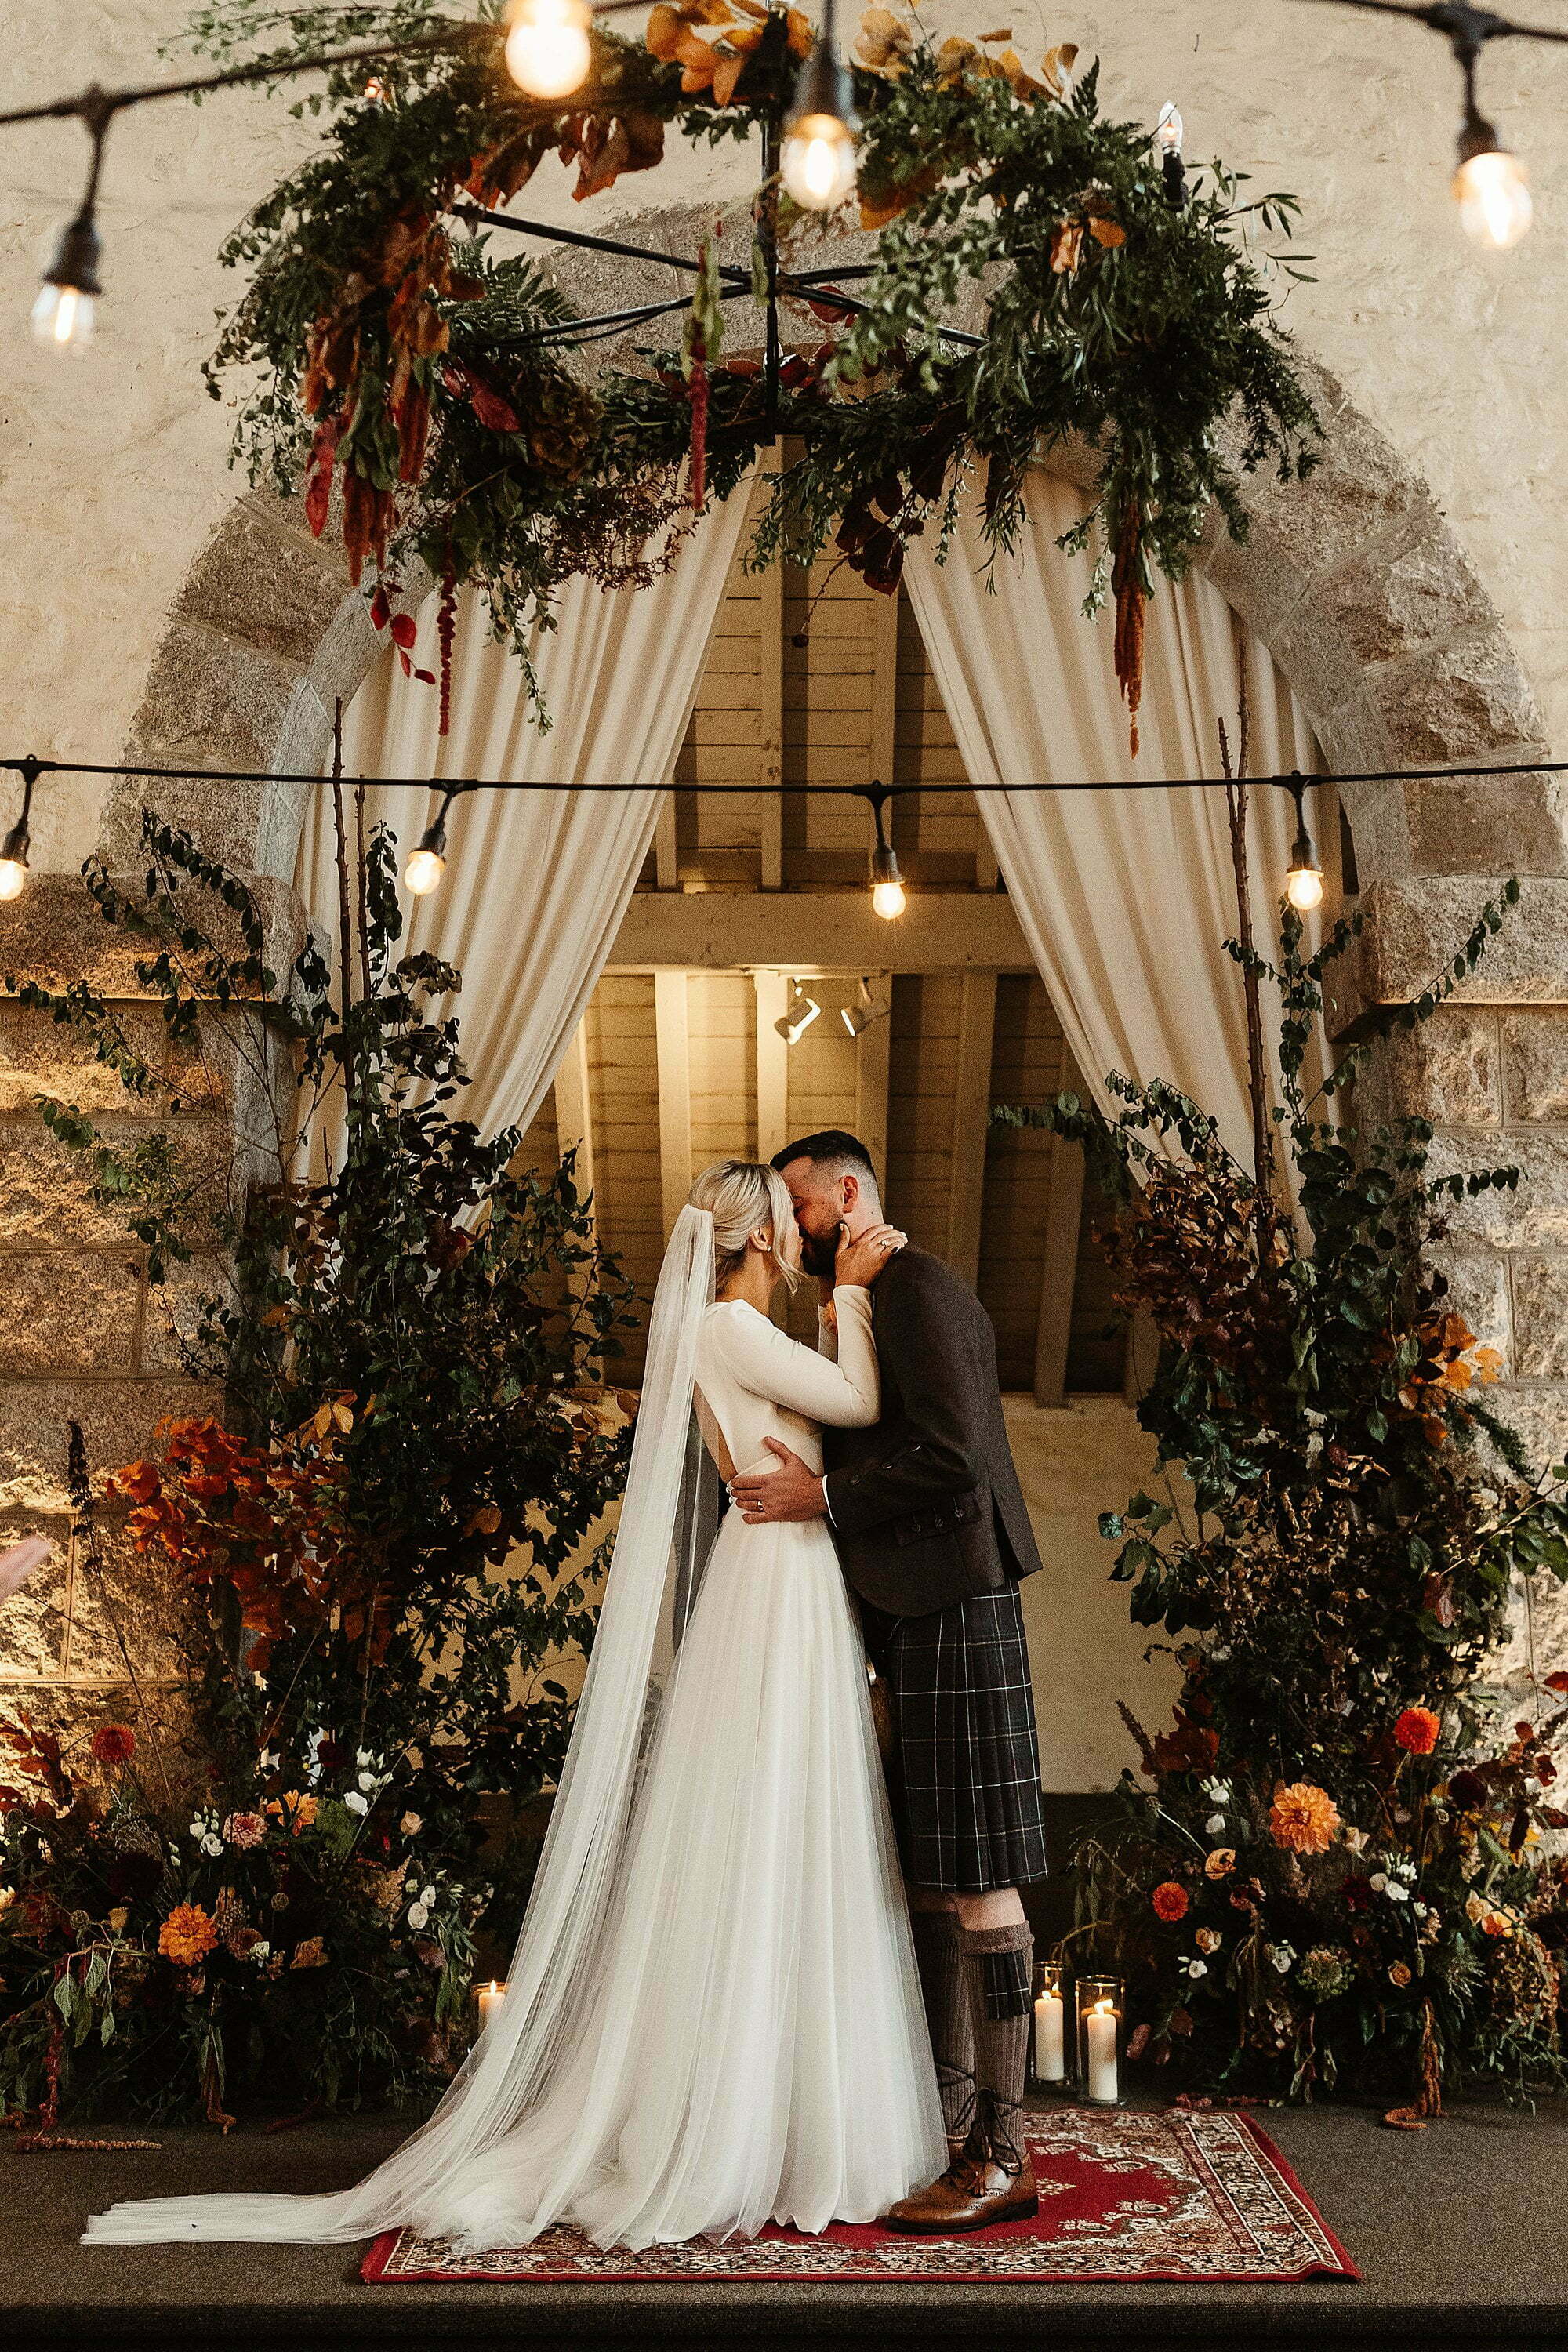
(426, 863)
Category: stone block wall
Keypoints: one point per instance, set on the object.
(83, 1334)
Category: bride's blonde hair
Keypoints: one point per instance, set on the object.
(741, 1195)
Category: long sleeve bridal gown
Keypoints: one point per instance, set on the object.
(751, 2043)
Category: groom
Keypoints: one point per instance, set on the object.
(933, 1534)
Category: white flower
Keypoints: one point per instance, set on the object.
(212, 1844)
(199, 1827)
(1419, 1909)
(1397, 1893)
(1197, 1967)
(261, 1951)
(268, 1761)
(369, 1783)
(418, 1915)
(363, 1756)
(1354, 1841)
(1215, 1823)
(1378, 1881)
(356, 1803)
(1220, 1652)
(1282, 1956)
(1217, 1791)
(427, 1895)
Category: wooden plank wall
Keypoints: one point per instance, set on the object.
(856, 702)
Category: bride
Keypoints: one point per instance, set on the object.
(713, 2017)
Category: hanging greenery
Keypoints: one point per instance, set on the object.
(1327, 1872)
(433, 378)
(380, 1548)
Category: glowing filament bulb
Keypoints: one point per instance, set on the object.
(548, 52)
(888, 899)
(817, 161)
(1492, 192)
(422, 872)
(63, 318)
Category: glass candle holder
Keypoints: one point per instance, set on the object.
(1050, 2043)
(1100, 2011)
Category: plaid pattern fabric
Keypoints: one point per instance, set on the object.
(965, 1773)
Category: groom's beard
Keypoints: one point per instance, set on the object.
(817, 1256)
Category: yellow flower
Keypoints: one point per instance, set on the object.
(1221, 1862)
(1208, 1939)
(187, 1935)
(1303, 1818)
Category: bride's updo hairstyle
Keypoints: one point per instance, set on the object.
(743, 1197)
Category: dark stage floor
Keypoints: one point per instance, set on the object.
(1461, 2234)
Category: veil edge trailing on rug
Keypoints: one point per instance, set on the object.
(652, 1578)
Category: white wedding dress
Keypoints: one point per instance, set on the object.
(741, 2036)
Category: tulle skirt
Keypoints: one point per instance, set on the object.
(752, 2044)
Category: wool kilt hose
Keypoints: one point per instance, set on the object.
(965, 1775)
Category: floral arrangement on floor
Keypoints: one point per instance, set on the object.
(379, 1547)
(435, 382)
(1329, 1870)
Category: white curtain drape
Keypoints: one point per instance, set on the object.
(1124, 897)
(536, 882)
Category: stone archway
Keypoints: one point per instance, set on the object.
(1362, 591)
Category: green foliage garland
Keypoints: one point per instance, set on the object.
(422, 374)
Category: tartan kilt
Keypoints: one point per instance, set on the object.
(965, 1775)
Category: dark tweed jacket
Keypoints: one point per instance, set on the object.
(926, 1506)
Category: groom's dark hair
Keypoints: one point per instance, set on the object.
(832, 1147)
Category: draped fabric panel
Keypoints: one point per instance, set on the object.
(536, 882)
(1124, 897)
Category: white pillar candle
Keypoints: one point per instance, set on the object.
(490, 1998)
(1100, 2036)
(1050, 2063)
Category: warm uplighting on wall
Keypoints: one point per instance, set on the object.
(1304, 875)
(816, 161)
(548, 52)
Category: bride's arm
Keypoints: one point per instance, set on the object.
(846, 1394)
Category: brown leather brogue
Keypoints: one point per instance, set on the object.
(977, 2189)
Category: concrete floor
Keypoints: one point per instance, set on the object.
(1461, 2234)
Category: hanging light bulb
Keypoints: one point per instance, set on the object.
(865, 1009)
(548, 52)
(425, 866)
(888, 897)
(65, 311)
(377, 91)
(1490, 187)
(13, 848)
(1304, 875)
(803, 1010)
(816, 161)
(1169, 133)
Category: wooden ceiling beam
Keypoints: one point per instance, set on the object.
(811, 931)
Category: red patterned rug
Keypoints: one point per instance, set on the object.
(1124, 2195)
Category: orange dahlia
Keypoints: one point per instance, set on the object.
(1303, 1818)
(187, 1935)
(1170, 1900)
(299, 1811)
(1417, 1730)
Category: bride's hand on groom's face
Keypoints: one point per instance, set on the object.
(861, 1261)
(793, 1491)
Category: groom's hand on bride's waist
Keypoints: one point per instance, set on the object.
(793, 1491)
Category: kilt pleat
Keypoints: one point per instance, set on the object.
(965, 1776)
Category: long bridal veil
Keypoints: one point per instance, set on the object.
(508, 2069)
